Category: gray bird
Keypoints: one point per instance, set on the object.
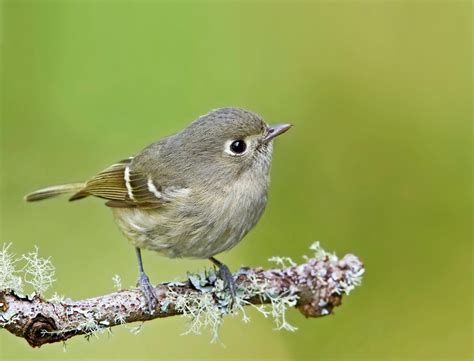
(193, 194)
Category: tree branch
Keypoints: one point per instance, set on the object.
(314, 288)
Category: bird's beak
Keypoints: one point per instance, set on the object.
(276, 130)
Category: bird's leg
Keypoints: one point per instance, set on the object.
(145, 285)
(225, 275)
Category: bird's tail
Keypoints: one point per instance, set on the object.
(53, 191)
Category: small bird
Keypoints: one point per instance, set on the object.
(193, 194)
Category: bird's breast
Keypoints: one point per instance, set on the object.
(205, 222)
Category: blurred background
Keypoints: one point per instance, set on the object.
(378, 163)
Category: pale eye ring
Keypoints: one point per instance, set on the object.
(236, 147)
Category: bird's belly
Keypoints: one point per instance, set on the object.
(198, 230)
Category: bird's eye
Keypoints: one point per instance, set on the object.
(238, 146)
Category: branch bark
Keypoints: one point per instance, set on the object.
(318, 286)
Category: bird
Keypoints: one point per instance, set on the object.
(193, 194)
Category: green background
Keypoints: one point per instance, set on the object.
(378, 163)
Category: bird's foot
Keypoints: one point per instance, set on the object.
(148, 292)
(229, 283)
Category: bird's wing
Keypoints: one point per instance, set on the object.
(123, 187)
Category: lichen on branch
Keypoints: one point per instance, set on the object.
(314, 287)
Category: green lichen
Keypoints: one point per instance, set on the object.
(10, 272)
(38, 272)
(206, 308)
(29, 269)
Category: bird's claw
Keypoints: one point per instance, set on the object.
(148, 292)
(229, 282)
